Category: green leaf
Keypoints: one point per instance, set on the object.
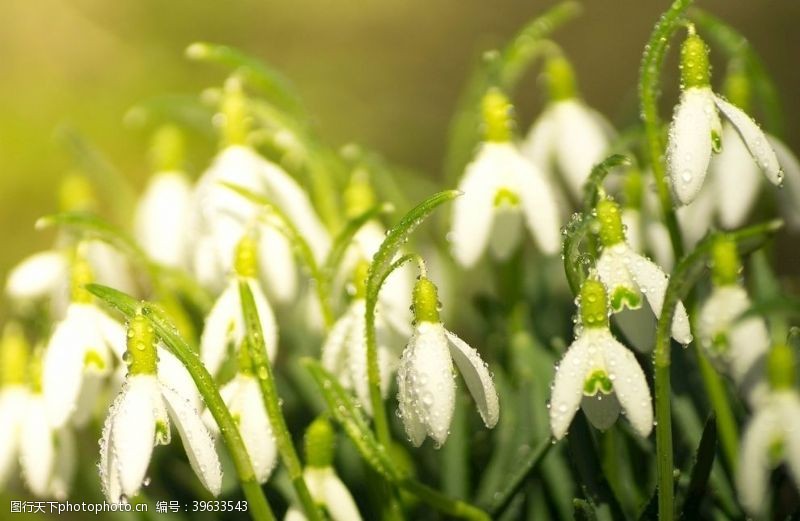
(701, 471)
(351, 418)
(267, 80)
(528, 464)
(168, 333)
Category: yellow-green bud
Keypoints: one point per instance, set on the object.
(725, 263)
(359, 195)
(611, 230)
(141, 356)
(594, 304)
(426, 301)
(560, 76)
(235, 122)
(76, 194)
(167, 150)
(245, 262)
(80, 276)
(320, 442)
(695, 68)
(780, 367)
(498, 116)
(13, 355)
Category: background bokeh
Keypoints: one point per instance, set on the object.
(386, 74)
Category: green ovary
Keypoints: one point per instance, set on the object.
(93, 359)
(625, 297)
(505, 197)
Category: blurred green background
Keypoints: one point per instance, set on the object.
(383, 73)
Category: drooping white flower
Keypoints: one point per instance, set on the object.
(47, 454)
(695, 129)
(771, 436)
(79, 356)
(426, 393)
(243, 398)
(38, 276)
(629, 275)
(224, 325)
(569, 137)
(161, 222)
(140, 419)
(14, 397)
(599, 374)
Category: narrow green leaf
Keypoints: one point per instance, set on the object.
(701, 471)
(528, 464)
(168, 333)
(270, 82)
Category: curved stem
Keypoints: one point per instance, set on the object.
(649, 80)
(269, 393)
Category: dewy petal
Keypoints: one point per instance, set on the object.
(112, 332)
(294, 514)
(689, 147)
(696, 217)
(339, 503)
(429, 388)
(602, 410)
(632, 221)
(13, 410)
(630, 385)
(277, 264)
(754, 138)
(37, 276)
(539, 206)
(736, 180)
(567, 390)
(473, 212)
(477, 377)
(37, 454)
(754, 467)
(580, 142)
(134, 431)
(652, 281)
(790, 195)
(613, 272)
(197, 441)
(108, 467)
(247, 406)
(174, 375)
(356, 352)
(409, 412)
(161, 220)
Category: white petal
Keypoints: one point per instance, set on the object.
(277, 264)
(689, 147)
(539, 206)
(696, 217)
(294, 514)
(630, 385)
(247, 406)
(754, 138)
(567, 390)
(580, 142)
(409, 411)
(790, 195)
(13, 410)
(134, 431)
(477, 377)
(753, 473)
(197, 441)
(108, 467)
(473, 211)
(613, 272)
(161, 220)
(91, 388)
(506, 232)
(602, 410)
(652, 281)
(334, 353)
(356, 351)
(429, 387)
(37, 454)
(632, 221)
(736, 180)
(113, 333)
(539, 145)
(37, 276)
(269, 326)
(174, 375)
(218, 331)
(338, 501)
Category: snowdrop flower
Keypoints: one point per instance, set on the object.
(696, 131)
(773, 433)
(344, 352)
(161, 223)
(629, 275)
(224, 325)
(598, 374)
(14, 396)
(425, 378)
(501, 188)
(80, 354)
(140, 419)
(569, 137)
(736, 346)
(326, 489)
(220, 216)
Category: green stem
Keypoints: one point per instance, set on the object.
(447, 505)
(666, 510)
(266, 381)
(726, 423)
(649, 88)
(128, 306)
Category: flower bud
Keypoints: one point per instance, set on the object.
(320, 441)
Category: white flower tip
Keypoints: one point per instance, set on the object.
(477, 377)
(197, 50)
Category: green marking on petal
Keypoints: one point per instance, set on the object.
(598, 381)
(716, 142)
(162, 432)
(504, 196)
(625, 297)
(719, 343)
(93, 359)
